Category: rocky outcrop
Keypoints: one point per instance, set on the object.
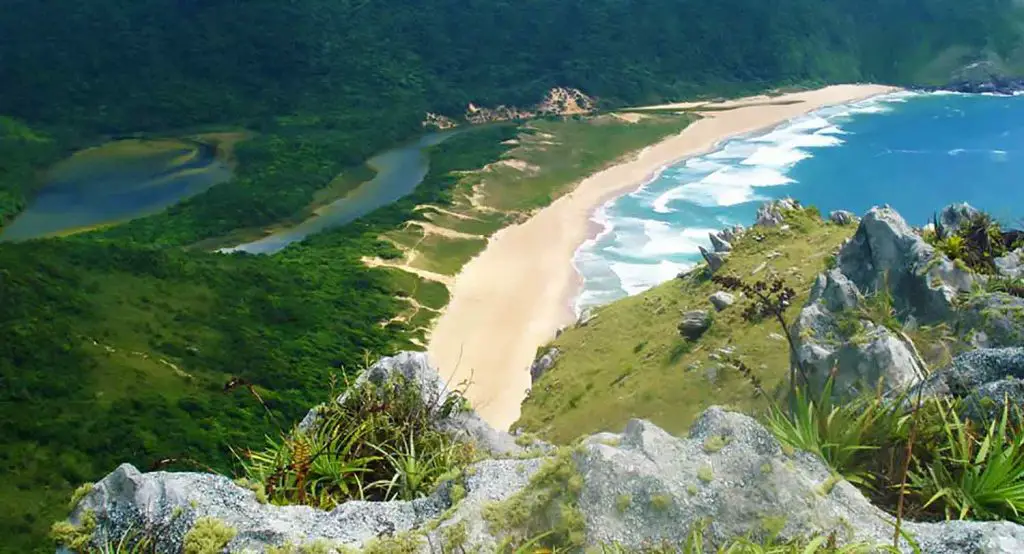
(438, 121)
(543, 363)
(843, 217)
(635, 489)
(721, 300)
(715, 260)
(772, 214)
(1011, 265)
(718, 243)
(885, 256)
(953, 215)
(559, 101)
(415, 367)
(694, 324)
(993, 319)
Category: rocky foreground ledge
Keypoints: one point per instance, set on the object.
(637, 488)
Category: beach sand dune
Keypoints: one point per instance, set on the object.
(515, 295)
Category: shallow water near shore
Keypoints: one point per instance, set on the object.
(914, 151)
(115, 182)
(399, 172)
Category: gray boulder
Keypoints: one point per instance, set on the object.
(732, 233)
(971, 370)
(1011, 265)
(722, 300)
(953, 215)
(772, 213)
(715, 260)
(635, 489)
(886, 253)
(842, 217)
(694, 324)
(719, 244)
(994, 319)
(543, 363)
(465, 425)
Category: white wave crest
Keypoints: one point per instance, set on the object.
(636, 278)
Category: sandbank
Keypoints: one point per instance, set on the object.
(515, 295)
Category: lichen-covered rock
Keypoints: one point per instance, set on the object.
(715, 260)
(721, 300)
(415, 367)
(1011, 265)
(994, 319)
(543, 363)
(719, 244)
(694, 323)
(842, 217)
(172, 502)
(885, 253)
(634, 489)
(953, 215)
(772, 213)
(971, 370)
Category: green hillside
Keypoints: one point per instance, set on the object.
(115, 345)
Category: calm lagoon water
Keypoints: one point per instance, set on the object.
(914, 151)
(116, 182)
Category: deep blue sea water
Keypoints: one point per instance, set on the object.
(914, 151)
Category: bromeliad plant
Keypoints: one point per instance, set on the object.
(380, 442)
(978, 470)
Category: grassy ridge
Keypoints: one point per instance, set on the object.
(630, 361)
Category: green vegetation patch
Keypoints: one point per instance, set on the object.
(602, 379)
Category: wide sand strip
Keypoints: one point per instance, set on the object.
(515, 295)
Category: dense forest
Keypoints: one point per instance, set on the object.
(119, 65)
(116, 345)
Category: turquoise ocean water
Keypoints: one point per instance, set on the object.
(914, 151)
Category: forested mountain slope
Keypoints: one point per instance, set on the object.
(121, 65)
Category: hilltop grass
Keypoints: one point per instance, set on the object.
(630, 361)
(563, 152)
(545, 161)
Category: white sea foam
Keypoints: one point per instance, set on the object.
(636, 278)
(642, 252)
(776, 156)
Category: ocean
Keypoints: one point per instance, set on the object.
(916, 152)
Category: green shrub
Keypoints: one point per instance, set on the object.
(978, 472)
(381, 443)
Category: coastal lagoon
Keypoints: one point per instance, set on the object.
(915, 151)
(398, 173)
(118, 181)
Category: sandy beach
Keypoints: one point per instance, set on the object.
(514, 296)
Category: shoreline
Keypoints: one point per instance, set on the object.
(515, 295)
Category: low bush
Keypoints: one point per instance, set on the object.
(379, 442)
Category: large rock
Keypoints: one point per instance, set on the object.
(719, 244)
(694, 323)
(993, 319)
(954, 215)
(415, 367)
(543, 363)
(635, 489)
(715, 260)
(886, 253)
(971, 370)
(842, 217)
(773, 213)
(1011, 265)
(721, 300)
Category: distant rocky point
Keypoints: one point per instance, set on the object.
(559, 101)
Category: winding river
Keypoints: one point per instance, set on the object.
(118, 181)
(399, 171)
(126, 179)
